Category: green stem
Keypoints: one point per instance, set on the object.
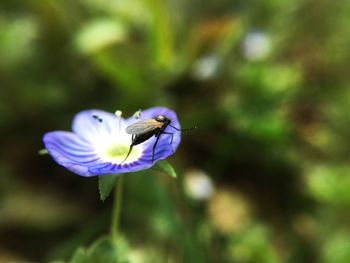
(118, 195)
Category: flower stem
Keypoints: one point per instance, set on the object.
(118, 195)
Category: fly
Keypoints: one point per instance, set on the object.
(144, 129)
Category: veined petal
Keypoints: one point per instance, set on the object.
(112, 168)
(70, 151)
(90, 127)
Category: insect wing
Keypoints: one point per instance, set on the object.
(143, 126)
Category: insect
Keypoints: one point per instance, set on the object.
(96, 117)
(144, 129)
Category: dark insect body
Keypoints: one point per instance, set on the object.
(144, 129)
(96, 117)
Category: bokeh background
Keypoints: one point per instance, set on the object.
(264, 178)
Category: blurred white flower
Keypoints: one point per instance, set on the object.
(256, 46)
(206, 67)
(198, 185)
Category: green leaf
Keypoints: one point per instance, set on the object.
(43, 152)
(165, 167)
(80, 256)
(106, 183)
(103, 250)
(99, 34)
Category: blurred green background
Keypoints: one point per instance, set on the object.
(265, 177)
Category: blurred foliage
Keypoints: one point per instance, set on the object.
(266, 82)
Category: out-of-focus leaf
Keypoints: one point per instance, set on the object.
(165, 167)
(330, 183)
(337, 248)
(103, 250)
(106, 184)
(270, 80)
(80, 256)
(161, 36)
(252, 244)
(99, 34)
(39, 209)
(131, 10)
(16, 40)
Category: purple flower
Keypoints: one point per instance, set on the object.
(99, 143)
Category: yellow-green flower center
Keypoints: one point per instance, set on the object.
(117, 153)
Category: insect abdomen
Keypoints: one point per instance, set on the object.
(143, 137)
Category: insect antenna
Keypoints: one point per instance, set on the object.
(188, 129)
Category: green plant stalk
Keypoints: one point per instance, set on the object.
(117, 203)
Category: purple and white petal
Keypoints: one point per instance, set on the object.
(93, 124)
(113, 168)
(70, 151)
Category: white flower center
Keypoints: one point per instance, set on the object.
(114, 146)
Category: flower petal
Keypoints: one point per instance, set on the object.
(70, 151)
(112, 168)
(90, 127)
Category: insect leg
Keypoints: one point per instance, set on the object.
(171, 141)
(154, 147)
(172, 136)
(130, 149)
